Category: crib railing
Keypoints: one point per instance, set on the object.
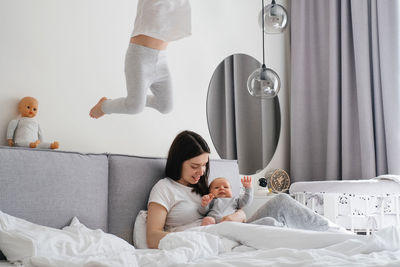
(357, 213)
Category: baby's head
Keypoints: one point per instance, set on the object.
(221, 188)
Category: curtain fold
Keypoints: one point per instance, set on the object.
(344, 89)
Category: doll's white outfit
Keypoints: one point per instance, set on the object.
(147, 68)
(24, 131)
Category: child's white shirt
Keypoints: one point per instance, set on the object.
(167, 20)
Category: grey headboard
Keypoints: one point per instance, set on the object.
(50, 187)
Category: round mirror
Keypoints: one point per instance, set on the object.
(241, 126)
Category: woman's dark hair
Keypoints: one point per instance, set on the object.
(187, 145)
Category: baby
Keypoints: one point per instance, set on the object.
(220, 203)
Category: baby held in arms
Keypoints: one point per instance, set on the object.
(220, 203)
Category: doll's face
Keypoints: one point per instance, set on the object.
(221, 188)
(28, 107)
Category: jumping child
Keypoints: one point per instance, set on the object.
(157, 23)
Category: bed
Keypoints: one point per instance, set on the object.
(75, 209)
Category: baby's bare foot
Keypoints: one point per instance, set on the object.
(96, 111)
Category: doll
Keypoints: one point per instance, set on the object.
(25, 131)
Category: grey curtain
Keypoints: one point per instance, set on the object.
(345, 89)
(241, 126)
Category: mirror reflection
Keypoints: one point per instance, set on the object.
(241, 126)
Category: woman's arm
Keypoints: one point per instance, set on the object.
(156, 216)
(238, 216)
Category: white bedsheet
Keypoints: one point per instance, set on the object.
(238, 244)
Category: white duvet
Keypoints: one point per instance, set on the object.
(225, 244)
(32, 245)
(236, 244)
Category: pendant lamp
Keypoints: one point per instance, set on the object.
(264, 82)
(275, 18)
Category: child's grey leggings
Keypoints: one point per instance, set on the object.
(145, 68)
(284, 211)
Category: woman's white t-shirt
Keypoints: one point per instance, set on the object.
(181, 203)
(167, 20)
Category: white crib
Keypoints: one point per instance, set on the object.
(361, 206)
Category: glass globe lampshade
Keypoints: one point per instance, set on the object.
(264, 83)
(275, 18)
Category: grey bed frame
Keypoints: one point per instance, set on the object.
(104, 191)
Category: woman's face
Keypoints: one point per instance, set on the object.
(193, 169)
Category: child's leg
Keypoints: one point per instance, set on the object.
(140, 71)
(162, 98)
(291, 213)
(268, 221)
(207, 220)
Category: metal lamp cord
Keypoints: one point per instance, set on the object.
(263, 41)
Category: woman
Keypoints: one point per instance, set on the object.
(174, 201)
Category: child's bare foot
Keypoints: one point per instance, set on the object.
(96, 111)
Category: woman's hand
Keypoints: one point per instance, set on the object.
(238, 216)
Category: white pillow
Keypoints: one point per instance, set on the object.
(33, 244)
(139, 230)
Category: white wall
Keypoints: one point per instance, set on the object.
(68, 54)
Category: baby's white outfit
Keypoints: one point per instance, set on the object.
(147, 68)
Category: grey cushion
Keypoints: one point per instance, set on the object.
(51, 187)
(131, 179)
